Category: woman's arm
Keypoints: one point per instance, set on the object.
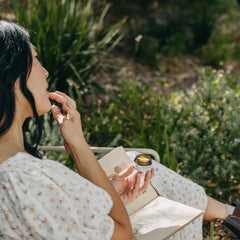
(86, 163)
(89, 168)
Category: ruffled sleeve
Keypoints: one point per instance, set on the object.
(42, 199)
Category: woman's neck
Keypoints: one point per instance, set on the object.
(11, 142)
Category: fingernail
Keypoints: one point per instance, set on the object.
(55, 108)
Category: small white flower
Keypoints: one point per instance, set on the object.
(138, 38)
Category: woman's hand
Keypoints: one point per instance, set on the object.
(129, 184)
(68, 119)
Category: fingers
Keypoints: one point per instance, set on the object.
(68, 104)
(147, 179)
(136, 184)
(126, 172)
(148, 176)
(57, 115)
(70, 100)
(136, 188)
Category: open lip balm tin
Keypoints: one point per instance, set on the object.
(142, 163)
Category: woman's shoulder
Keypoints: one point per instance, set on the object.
(28, 170)
(25, 166)
(25, 161)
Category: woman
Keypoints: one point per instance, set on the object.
(43, 199)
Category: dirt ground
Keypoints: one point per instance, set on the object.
(174, 72)
(220, 232)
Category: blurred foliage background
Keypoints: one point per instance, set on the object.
(195, 129)
(178, 27)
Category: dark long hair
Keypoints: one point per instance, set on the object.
(15, 62)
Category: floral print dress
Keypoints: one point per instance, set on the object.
(171, 185)
(42, 199)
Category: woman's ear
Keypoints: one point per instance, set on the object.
(17, 91)
(17, 84)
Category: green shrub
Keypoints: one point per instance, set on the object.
(218, 50)
(207, 137)
(148, 49)
(223, 43)
(135, 117)
(178, 26)
(71, 41)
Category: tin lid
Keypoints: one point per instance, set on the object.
(143, 158)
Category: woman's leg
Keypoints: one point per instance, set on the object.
(170, 184)
(214, 210)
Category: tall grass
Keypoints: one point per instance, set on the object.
(71, 41)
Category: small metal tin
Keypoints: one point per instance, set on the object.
(142, 162)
